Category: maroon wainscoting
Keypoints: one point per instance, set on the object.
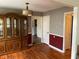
(56, 41)
(29, 38)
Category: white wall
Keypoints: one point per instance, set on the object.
(57, 20)
(39, 25)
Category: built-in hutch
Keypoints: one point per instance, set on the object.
(15, 32)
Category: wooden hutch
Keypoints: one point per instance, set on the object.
(15, 32)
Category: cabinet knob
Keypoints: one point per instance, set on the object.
(53, 36)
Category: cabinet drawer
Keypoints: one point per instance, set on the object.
(12, 45)
(2, 47)
(24, 43)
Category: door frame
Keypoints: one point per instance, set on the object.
(65, 28)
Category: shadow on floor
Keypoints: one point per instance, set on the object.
(36, 40)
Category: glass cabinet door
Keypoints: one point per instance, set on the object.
(9, 27)
(25, 27)
(1, 28)
(16, 27)
(29, 25)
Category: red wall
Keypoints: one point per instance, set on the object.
(56, 41)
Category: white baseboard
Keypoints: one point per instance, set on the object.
(56, 49)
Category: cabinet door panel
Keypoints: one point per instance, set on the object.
(25, 31)
(17, 45)
(16, 27)
(9, 27)
(56, 41)
(1, 28)
(12, 45)
(52, 40)
(24, 43)
(2, 47)
(24, 28)
(29, 39)
(59, 42)
(9, 46)
(29, 25)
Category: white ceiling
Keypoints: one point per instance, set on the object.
(70, 2)
(35, 5)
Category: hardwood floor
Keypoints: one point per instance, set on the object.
(39, 51)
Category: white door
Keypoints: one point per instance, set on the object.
(46, 22)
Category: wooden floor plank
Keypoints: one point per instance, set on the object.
(39, 51)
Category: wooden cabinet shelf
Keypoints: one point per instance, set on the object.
(14, 29)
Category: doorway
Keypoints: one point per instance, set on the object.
(68, 31)
(36, 30)
(35, 27)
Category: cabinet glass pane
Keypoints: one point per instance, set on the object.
(29, 25)
(1, 27)
(9, 29)
(16, 27)
(25, 27)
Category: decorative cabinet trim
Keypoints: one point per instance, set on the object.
(11, 40)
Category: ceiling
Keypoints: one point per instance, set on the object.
(70, 2)
(35, 5)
